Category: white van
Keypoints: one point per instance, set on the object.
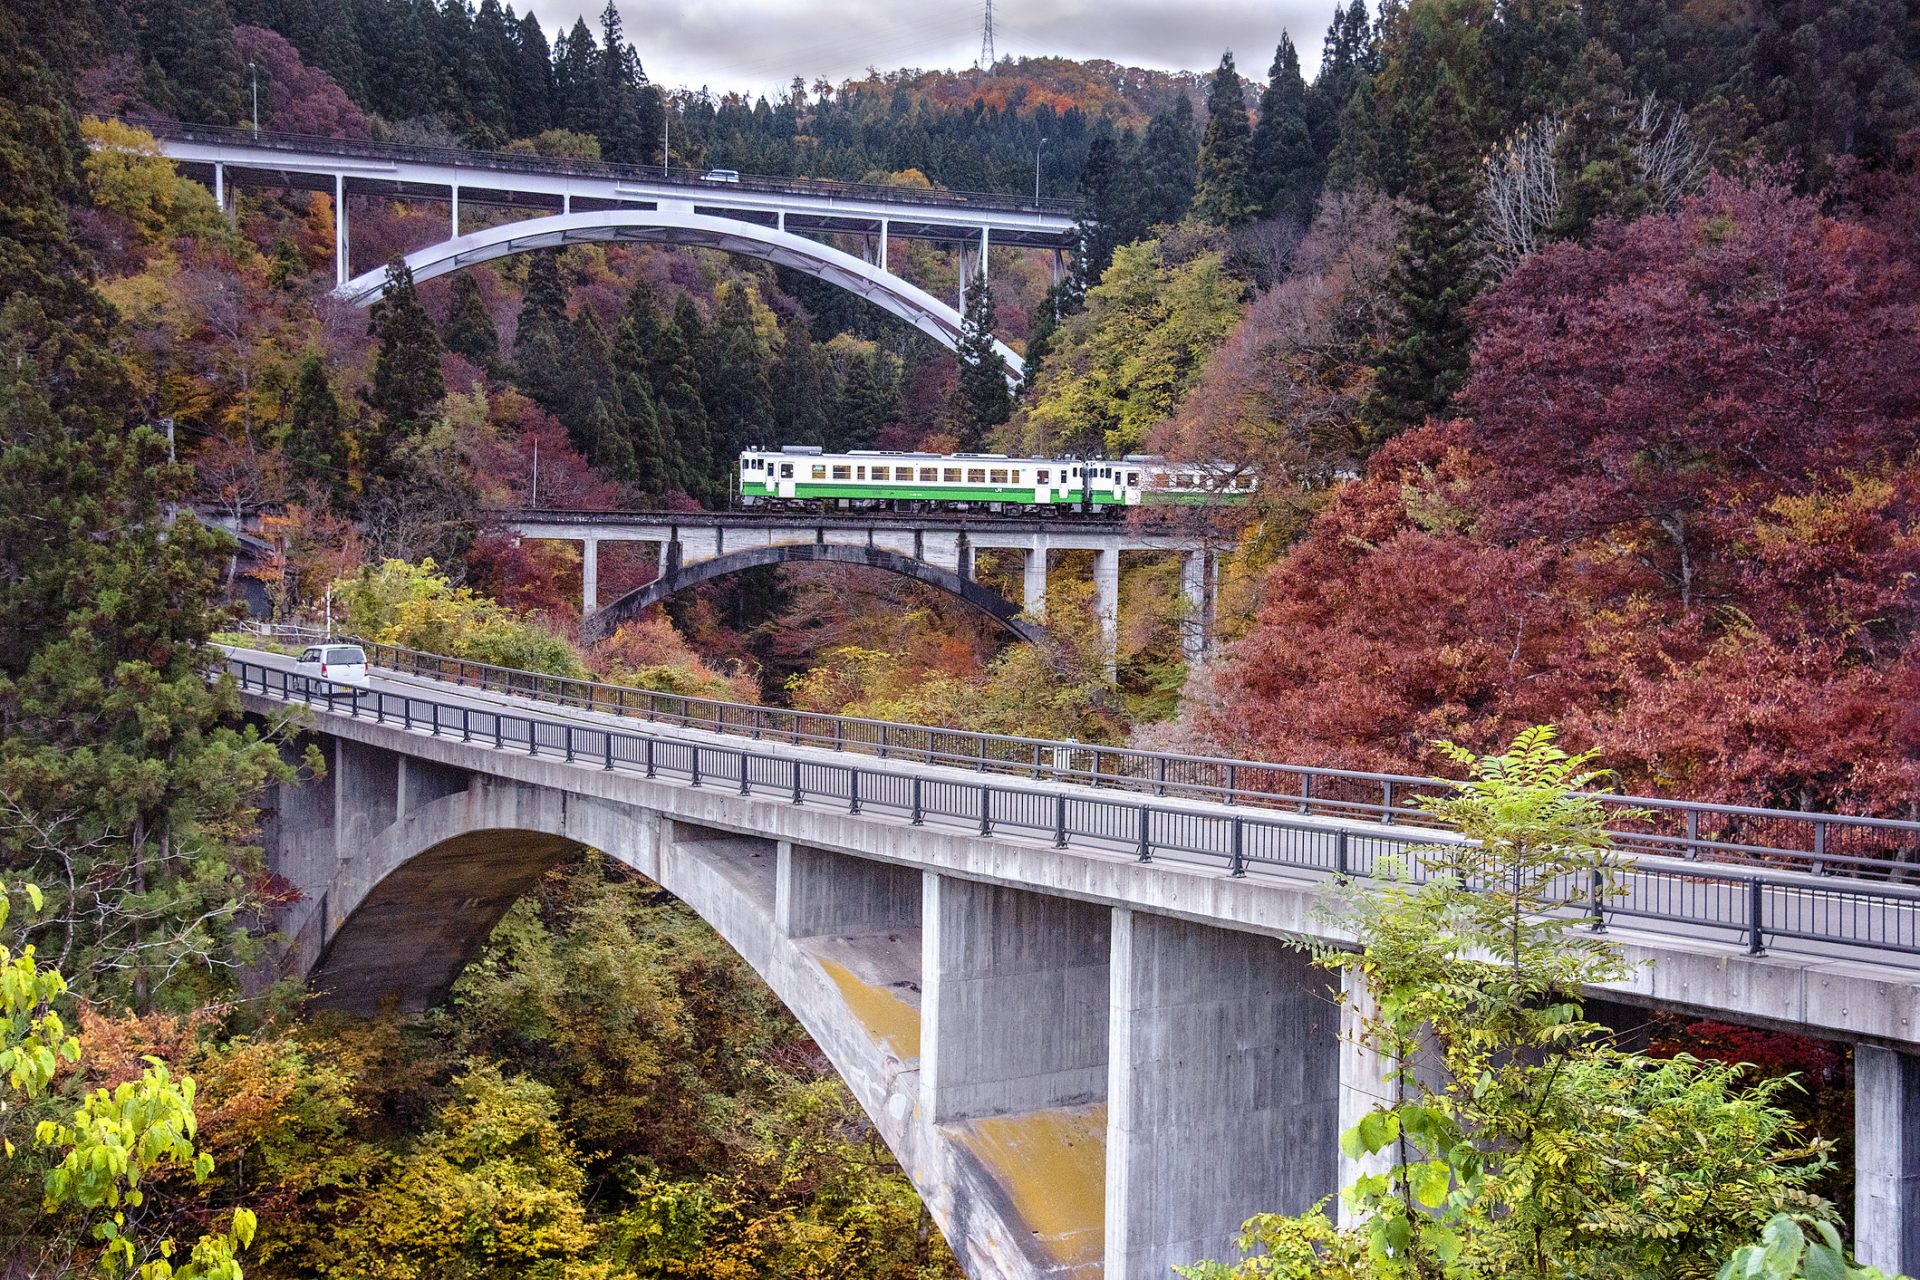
(337, 664)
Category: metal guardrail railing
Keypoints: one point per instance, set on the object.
(1741, 905)
(514, 162)
(1820, 843)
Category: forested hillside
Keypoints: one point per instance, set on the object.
(1572, 342)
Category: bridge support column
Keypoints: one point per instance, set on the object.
(1013, 1006)
(589, 576)
(220, 185)
(1033, 579)
(1106, 598)
(341, 273)
(1886, 1132)
(883, 243)
(817, 893)
(1222, 1090)
(1193, 586)
(455, 189)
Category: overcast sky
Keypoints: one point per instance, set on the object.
(760, 45)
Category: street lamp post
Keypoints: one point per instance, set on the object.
(253, 69)
(1036, 171)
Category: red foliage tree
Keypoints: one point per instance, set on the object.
(1681, 522)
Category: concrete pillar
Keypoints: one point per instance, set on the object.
(1363, 1084)
(1886, 1160)
(884, 225)
(589, 577)
(455, 188)
(1106, 597)
(1193, 586)
(817, 893)
(780, 220)
(1013, 1005)
(1222, 1090)
(1034, 579)
(220, 185)
(566, 202)
(986, 244)
(963, 557)
(340, 229)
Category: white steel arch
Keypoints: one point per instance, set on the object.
(683, 227)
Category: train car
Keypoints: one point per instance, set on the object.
(805, 477)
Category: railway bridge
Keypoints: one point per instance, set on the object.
(557, 202)
(697, 546)
(1059, 979)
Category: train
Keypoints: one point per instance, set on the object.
(806, 477)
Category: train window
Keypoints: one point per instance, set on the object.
(859, 473)
(976, 475)
(928, 475)
(819, 472)
(879, 473)
(1133, 478)
(950, 475)
(1016, 477)
(786, 471)
(998, 475)
(843, 473)
(1043, 476)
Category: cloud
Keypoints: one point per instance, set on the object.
(760, 45)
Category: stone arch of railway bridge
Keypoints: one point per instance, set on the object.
(692, 547)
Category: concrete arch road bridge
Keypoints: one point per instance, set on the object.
(693, 547)
(581, 201)
(1071, 1011)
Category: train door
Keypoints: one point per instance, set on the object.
(784, 481)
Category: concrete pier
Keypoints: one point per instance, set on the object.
(1223, 1090)
(1014, 1003)
(1886, 1169)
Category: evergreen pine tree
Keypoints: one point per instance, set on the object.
(577, 80)
(738, 401)
(590, 412)
(981, 400)
(1435, 275)
(801, 401)
(1347, 60)
(676, 381)
(1224, 196)
(530, 82)
(193, 69)
(407, 389)
(869, 401)
(316, 440)
(1598, 174)
(1101, 211)
(1164, 170)
(470, 330)
(1285, 171)
(656, 461)
(630, 122)
(123, 774)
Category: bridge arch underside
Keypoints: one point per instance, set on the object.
(405, 917)
(640, 599)
(889, 292)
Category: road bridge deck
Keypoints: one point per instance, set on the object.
(1085, 955)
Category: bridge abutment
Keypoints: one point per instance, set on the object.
(1223, 1090)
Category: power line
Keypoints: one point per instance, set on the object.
(987, 58)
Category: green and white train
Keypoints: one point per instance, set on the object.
(803, 477)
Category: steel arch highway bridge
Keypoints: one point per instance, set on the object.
(577, 201)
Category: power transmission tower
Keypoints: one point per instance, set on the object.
(986, 41)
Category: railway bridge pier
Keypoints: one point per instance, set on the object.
(693, 547)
